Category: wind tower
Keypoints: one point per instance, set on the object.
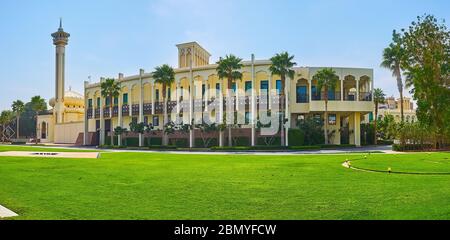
(60, 40)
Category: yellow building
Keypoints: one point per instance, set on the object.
(140, 99)
(392, 107)
(64, 123)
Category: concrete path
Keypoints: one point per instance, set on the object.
(371, 149)
(50, 155)
(5, 213)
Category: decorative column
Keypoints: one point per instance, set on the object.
(310, 90)
(130, 101)
(287, 115)
(119, 111)
(342, 90)
(221, 111)
(86, 120)
(269, 91)
(207, 89)
(191, 104)
(141, 106)
(152, 85)
(357, 89)
(102, 120)
(357, 128)
(253, 103)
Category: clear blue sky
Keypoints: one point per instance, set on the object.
(112, 36)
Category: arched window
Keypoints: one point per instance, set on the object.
(44, 130)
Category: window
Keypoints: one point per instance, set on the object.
(264, 87)
(116, 101)
(331, 95)
(181, 95)
(278, 85)
(302, 97)
(98, 102)
(233, 87)
(217, 89)
(89, 103)
(248, 86)
(317, 118)
(108, 102)
(300, 117)
(168, 93)
(146, 119)
(315, 94)
(203, 90)
(331, 119)
(247, 117)
(157, 95)
(134, 120)
(155, 121)
(125, 98)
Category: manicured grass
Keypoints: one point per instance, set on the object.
(422, 163)
(171, 186)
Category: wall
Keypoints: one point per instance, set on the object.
(67, 133)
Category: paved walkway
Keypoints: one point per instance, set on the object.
(5, 213)
(371, 149)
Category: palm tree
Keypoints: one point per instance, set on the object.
(18, 108)
(378, 98)
(392, 59)
(164, 75)
(110, 89)
(5, 118)
(282, 64)
(228, 69)
(326, 80)
(38, 104)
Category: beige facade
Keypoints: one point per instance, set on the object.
(141, 98)
(392, 107)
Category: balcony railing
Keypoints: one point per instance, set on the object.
(97, 113)
(350, 97)
(125, 110)
(89, 113)
(334, 96)
(365, 96)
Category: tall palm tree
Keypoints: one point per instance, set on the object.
(282, 64)
(228, 68)
(110, 89)
(5, 118)
(38, 104)
(164, 75)
(18, 108)
(378, 98)
(326, 80)
(392, 59)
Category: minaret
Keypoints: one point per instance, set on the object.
(60, 40)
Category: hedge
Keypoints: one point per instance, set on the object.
(213, 143)
(411, 147)
(296, 137)
(276, 141)
(313, 147)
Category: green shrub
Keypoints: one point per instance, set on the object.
(313, 147)
(242, 142)
(411, 147)
(296, 137)
(199, 143)
(155, 141)
(276, 141)
(180, 142)
(230, 148)
(385, 142)
(131, 142)
(160, 147)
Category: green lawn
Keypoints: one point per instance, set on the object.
(165, 186)
(420, 163)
